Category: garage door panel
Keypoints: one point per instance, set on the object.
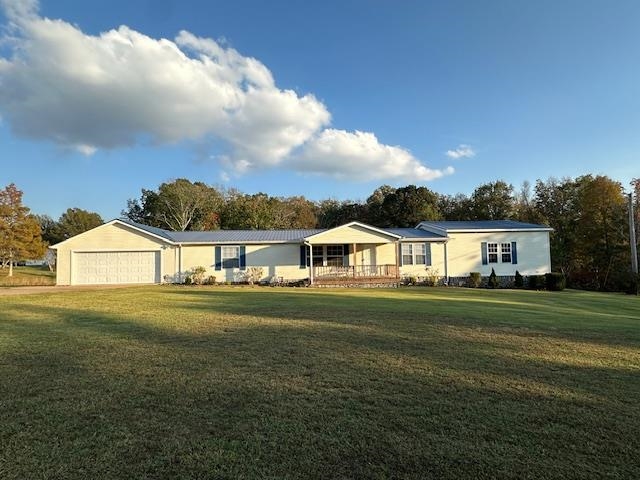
(117, 267)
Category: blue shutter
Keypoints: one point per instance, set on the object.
(485, 258)
(345, 255)
(303, 256)
(243, 257)
(399, 254)
(218, 258)
(427, 254)
(514, 253)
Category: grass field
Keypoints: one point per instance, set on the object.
(27, 276)
(177, 382)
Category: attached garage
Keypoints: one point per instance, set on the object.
(115, 267)
(116, 253)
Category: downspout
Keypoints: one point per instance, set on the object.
(310, 262)
(446, 264)
(179, 263)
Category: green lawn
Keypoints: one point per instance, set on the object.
(178, 382)
(27, 276)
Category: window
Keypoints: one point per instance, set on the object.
(328, 255)
(420, 251)
(334, 255)
(503, 252)
(231, 257)
(318, 256)
(407, 253)
(505, 249)
(492, 249)
(414, 254)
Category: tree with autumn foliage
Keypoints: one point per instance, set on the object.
(20, 236)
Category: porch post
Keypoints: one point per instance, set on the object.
(310, 264)
(396, 246)
(355, 260)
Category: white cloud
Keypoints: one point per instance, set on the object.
(462, 151)
(360, 156)
(90, 92)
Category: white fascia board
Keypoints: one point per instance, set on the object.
(356, 224)
(112, 222)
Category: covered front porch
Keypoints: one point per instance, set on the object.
(371, 256)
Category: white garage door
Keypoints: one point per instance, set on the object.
(98, 268)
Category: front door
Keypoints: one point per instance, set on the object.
(368, 260)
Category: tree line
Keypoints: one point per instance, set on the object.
(589, 243)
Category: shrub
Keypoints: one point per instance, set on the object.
(555, 281)
(210, 280)
(536, 282)
(431, 279)
(519, 280)
(493, 279)
(188, 280)
(475, 279)
(252, 275)
(197, 275)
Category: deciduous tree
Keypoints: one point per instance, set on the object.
(20, 236)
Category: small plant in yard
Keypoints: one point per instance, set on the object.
(197, 275)
(253, 275)
(493, 279)
(475, 279)
(519, 280)
(431, 279)
(555, 281)
(210, 280)
(536, 282)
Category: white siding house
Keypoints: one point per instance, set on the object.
(124, 252)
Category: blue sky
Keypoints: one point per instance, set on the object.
(521, 90)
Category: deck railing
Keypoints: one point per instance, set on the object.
(355, 271)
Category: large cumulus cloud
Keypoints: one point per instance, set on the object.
(90, 92)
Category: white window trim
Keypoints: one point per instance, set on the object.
(325, 256)
(223, 258)
(499, 252)
(414, 247)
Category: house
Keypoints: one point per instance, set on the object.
(124, 252)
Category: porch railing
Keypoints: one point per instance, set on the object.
(355, 271)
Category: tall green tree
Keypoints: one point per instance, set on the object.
(493, 201)
(602, 240)
(178, 205)
(408, 206)
(20, 237)
(73, 222)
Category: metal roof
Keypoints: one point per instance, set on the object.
(415, 233)
(476, 225)
(244, 236)
(298, 235)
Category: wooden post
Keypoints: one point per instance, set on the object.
(310, 264)
(632, 238)
(355, 260)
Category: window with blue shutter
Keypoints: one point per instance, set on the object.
(243, 257)
(218, 258)
(483, 250)
(427, 256)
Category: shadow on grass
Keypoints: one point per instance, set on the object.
(278, 387)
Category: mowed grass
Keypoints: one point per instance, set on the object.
(257, 383)
(27, 276)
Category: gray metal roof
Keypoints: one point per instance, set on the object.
(483, 225)
(245, 236)
(414, 233)
(298, 235)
